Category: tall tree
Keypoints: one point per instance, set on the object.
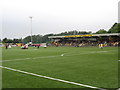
(4, 40)
(101, 31)
(115, 28)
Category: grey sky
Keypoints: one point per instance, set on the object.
(55, 16)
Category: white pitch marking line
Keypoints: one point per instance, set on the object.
(51, 78)
(69, 54)
(28, 58)
(92, 52)
(118, 60)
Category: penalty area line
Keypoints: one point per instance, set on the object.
(51, 78)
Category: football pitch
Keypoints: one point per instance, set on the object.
(60, 67)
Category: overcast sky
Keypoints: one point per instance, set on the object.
(55, 16)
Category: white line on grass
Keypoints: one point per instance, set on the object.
(89, 52)
(51, 78)
(28, 58)
(92, 52)
(65, 54)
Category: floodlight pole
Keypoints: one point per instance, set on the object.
(31, 28)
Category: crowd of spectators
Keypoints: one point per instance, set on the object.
(84, 43)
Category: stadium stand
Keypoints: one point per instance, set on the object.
(112, 39)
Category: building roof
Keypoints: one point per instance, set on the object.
(86, 35)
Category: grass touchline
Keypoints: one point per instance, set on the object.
(51, 78)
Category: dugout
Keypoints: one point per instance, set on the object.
(87, 39)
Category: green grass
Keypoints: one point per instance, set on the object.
(0, 68)
(87, 65)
